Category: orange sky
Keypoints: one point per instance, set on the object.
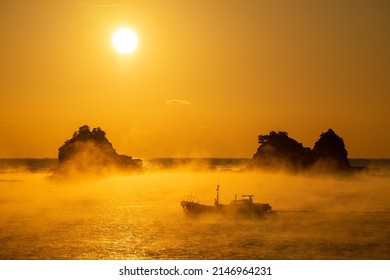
(206, 79)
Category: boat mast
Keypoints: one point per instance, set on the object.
(216, 202)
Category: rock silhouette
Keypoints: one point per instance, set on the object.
(278, 151)
(91, 152)
(330, 153)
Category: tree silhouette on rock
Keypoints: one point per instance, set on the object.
(91, 152)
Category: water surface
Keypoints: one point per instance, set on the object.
(139, 217)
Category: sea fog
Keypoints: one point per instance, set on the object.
(138, 216)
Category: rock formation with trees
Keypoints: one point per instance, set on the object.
(278, 151)
(91, 152)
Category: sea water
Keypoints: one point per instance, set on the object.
(138, 216)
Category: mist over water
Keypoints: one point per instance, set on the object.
(138, 216)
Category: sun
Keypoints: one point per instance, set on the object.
(124, 40)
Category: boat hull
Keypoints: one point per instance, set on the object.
(254, 209)
(196, 208)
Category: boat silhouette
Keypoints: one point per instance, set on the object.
(244, 206)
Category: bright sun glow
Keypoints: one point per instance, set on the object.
(124, 40)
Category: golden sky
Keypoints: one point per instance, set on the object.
(206, 78)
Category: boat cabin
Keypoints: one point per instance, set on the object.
(245, 199)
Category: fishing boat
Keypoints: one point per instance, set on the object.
(244, 206)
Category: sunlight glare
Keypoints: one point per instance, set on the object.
(124, 40)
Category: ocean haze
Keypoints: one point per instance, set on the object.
(50, 164)
(139, 216)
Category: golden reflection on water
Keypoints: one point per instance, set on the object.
(139, 217)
